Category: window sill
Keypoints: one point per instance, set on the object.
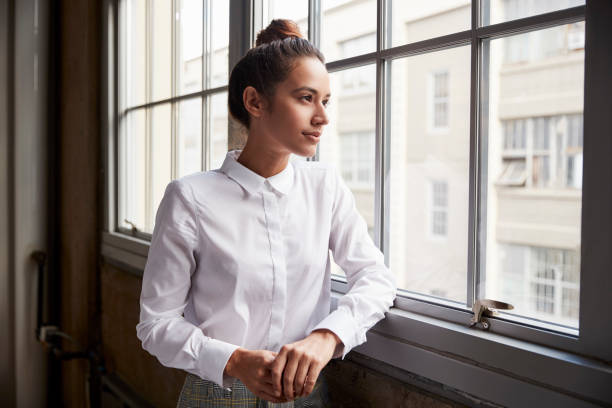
(480, 365)
(485, 366)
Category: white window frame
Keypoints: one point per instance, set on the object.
(425, 343)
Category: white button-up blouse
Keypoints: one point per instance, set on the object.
(246, 260)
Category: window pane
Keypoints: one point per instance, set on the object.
(349, 139)
(341, 37)
(132, 170)
(189, 136)
(161, 55)
(189, 72)
(429, 179)
(292, 10)
(219, 43)
(218, 129)
(498, 11)
(533, 219)
(411, 22)
(160, 160)
(135, 52)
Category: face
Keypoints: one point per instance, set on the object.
(295, 117)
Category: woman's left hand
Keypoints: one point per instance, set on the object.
(297, 365)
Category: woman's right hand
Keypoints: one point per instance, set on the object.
(252, 367)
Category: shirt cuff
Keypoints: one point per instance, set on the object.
(343, 325)
(213, 360)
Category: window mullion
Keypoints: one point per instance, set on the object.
(314, 31)
(174, 108)
(206, 72)
(477, 178)
(314, 22)
(148, 115)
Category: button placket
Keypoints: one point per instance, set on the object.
(279, 270)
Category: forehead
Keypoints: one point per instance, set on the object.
(308, 72)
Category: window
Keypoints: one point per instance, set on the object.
(523, 211)
(543, 282)
(527, 137)
(173, 73)
(439, 208)
(439, 100)
(550, 146)
(356, 168)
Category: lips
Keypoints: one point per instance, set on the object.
(315, 134)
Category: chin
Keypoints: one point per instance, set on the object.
(309, 151)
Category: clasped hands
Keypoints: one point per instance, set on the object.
(289, 374)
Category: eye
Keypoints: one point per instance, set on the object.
(307, 98)
(326, 103)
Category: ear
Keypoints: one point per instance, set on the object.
(253, 102)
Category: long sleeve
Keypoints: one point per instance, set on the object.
(166, 283)
(371, 285)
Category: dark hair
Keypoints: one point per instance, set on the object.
(269, 63)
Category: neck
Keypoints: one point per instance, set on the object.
(264, 162)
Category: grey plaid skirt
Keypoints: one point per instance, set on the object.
(197, 392)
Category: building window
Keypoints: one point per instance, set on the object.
(543, 283)
(551, 147)
(356, 167)
(440, 100)
(439, 208)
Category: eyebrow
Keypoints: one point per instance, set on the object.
(309, 89)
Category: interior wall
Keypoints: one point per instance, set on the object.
(79, 184)
(7, 344)
(28, 159)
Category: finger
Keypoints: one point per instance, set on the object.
(300, 377)
(265, 383)
(289, 374)
(271, 398)
(311, 379)
(276, 368)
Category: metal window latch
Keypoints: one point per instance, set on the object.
(486, 307)
(134, 228)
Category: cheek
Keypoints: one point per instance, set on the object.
(293, 117)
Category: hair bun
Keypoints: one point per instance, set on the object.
(278, 29)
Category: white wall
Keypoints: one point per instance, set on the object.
(23, 376)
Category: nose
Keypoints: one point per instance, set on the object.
(320, 117)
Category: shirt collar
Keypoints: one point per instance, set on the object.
(253, 182)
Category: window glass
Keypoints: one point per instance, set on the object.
(292, 10)
(534, 197)
(349, 139)
(160, 49)
(133, 170)
(498, 11)
(160, 160)
(189, 53)
(412, 22)
(429, 173)
(134, 51)
(189, 136)
(218, 128)
(341, 36)
(219, 44)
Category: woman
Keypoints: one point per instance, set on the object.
(243, 250)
